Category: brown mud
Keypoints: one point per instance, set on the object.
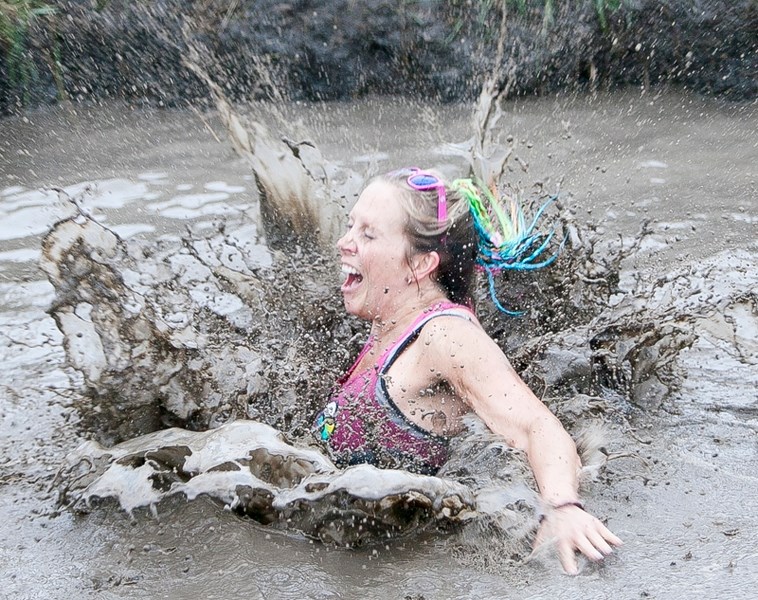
(676, 482)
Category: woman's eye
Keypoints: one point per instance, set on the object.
(368, 235)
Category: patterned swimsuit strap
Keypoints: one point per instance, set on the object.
(425, 315)
(437, 310)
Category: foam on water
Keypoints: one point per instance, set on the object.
(128, 230)
(157, 176)
(20, 255)
(27, 213)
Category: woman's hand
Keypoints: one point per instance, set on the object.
(572, 529)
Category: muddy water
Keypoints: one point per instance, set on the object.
(685, 502)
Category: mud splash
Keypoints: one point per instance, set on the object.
(182, 337)
(210, 330)
(249, 467)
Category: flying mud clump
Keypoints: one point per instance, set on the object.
(192, 332)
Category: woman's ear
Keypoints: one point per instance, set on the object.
(425, 264)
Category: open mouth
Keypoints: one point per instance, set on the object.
(352, 280)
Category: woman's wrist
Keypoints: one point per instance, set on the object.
(560, 505)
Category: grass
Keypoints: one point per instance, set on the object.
(602, 8)
(480, 10)
(16, 18)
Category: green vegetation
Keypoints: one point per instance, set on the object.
(16, 18)
(603, 7)
(482, 9)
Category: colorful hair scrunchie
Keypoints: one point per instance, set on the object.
(504, 239)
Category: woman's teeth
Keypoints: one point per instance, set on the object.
(352, 277)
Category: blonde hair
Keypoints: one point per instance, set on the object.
(454, 240)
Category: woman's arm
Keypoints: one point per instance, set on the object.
(483, 377)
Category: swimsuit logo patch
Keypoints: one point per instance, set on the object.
(325, 422)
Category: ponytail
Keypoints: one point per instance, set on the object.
(505, 241)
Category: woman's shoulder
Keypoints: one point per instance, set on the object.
(460, 350)
(457, 326)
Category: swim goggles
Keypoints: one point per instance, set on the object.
(424, 182)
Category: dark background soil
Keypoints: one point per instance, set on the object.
(341, 49)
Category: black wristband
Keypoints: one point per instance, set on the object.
(570, 503)
(562, 505)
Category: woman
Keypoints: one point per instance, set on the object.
(408, 258)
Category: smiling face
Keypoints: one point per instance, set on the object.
(374, 253)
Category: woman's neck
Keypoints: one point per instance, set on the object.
(386, 329)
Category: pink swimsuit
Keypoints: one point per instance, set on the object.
(361, 423)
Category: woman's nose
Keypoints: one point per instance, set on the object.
(345, 243)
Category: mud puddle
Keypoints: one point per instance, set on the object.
(684, 500)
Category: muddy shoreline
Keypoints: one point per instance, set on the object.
(324, 50)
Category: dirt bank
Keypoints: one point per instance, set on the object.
(317, 49)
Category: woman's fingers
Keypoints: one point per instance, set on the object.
(567, 558)
(602, 539)
(599, 544)
(578, 532)
(586, 547)
(610, 537)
